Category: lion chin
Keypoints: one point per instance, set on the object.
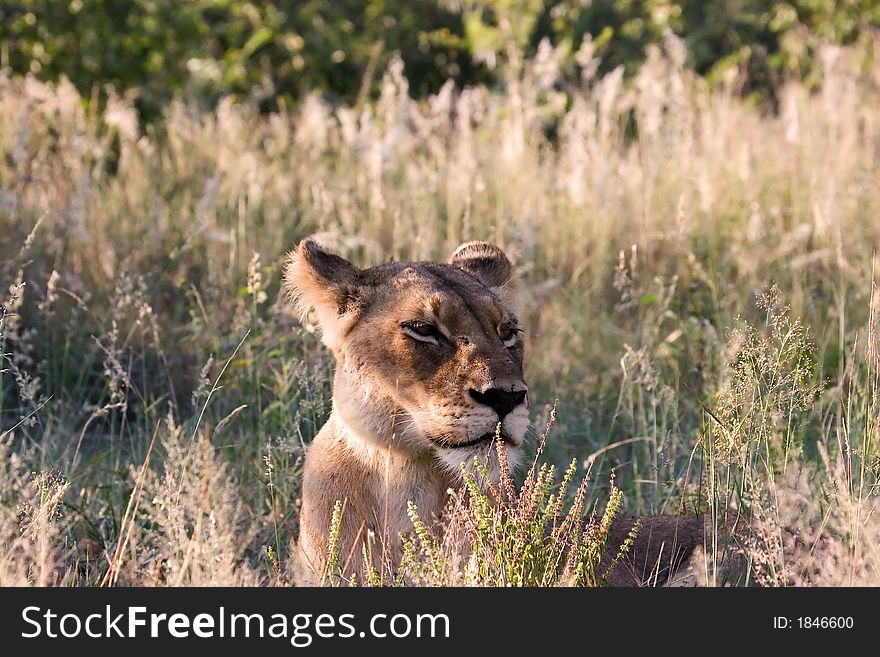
(480, 455)
(457, 461)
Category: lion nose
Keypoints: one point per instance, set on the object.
(499, 400)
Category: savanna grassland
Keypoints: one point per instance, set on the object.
(700, 309)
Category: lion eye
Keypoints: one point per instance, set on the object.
(422, 331)
(508, 335)
(423, 328)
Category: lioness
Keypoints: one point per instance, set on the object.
(429, 361)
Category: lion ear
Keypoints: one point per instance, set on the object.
(329, 285)
(488, 264)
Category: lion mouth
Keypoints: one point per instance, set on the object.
(489, 436)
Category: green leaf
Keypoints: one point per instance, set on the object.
(259, 38)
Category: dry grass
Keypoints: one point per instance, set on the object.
(141, 271)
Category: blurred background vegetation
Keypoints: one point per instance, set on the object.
(271, 51)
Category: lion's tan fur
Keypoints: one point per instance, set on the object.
(401, 407)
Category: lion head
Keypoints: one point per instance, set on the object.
(429, 356)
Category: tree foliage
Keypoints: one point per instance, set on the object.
(266, 50)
